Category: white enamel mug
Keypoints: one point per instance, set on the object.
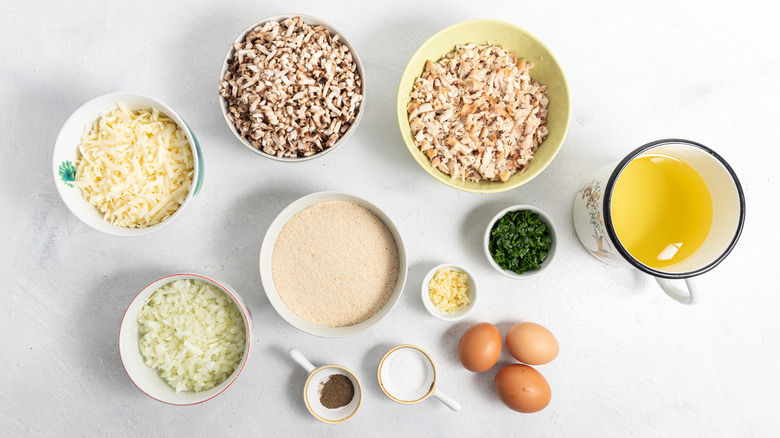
(593, 216)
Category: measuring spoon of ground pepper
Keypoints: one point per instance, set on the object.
(332, 393)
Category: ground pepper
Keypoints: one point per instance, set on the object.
(337, 391)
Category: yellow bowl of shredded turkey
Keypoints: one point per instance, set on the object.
(483, 106)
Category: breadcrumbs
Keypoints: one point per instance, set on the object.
(335, 264)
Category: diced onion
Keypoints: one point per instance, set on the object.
(192, 333)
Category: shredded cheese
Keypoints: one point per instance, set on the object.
(135, 166)
(449, 290)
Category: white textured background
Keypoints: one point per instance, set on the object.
(632, 362)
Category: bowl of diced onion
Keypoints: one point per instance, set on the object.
(185, 338)
(449, 292)
(126, 164)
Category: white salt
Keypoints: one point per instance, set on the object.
(409, 374)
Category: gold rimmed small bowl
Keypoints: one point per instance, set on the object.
(311, 391)
(407, 375)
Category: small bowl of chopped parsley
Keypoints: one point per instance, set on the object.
(520, 241)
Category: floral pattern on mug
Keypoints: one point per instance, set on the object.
(591, 194)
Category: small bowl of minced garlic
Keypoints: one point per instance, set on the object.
(449, 292)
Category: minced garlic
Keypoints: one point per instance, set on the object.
(449, 290)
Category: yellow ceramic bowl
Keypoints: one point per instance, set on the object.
(546, 71)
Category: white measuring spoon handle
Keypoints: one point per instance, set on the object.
(301, 360)
(450, 402)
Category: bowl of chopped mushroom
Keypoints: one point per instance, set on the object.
(292, 88)
(483, 106)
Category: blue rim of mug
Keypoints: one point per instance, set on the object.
(608, 211)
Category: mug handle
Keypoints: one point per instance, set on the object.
(681, 295)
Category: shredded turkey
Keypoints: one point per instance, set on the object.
(477, 114)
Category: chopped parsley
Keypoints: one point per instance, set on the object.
(519, 241)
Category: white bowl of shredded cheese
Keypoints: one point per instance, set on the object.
(126, 164)
(185, 338)
(449, 292)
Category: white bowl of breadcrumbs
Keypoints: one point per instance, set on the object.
(332, 264)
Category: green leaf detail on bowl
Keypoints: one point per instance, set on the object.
(67, 173)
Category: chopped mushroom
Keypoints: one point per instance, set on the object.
(477, 114)
(292, 89)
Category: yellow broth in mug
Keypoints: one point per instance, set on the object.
(661, 210)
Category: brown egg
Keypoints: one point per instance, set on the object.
(522, 388)
(480, 347)
(531, 343)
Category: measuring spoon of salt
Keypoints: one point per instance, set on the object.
(407, 375)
